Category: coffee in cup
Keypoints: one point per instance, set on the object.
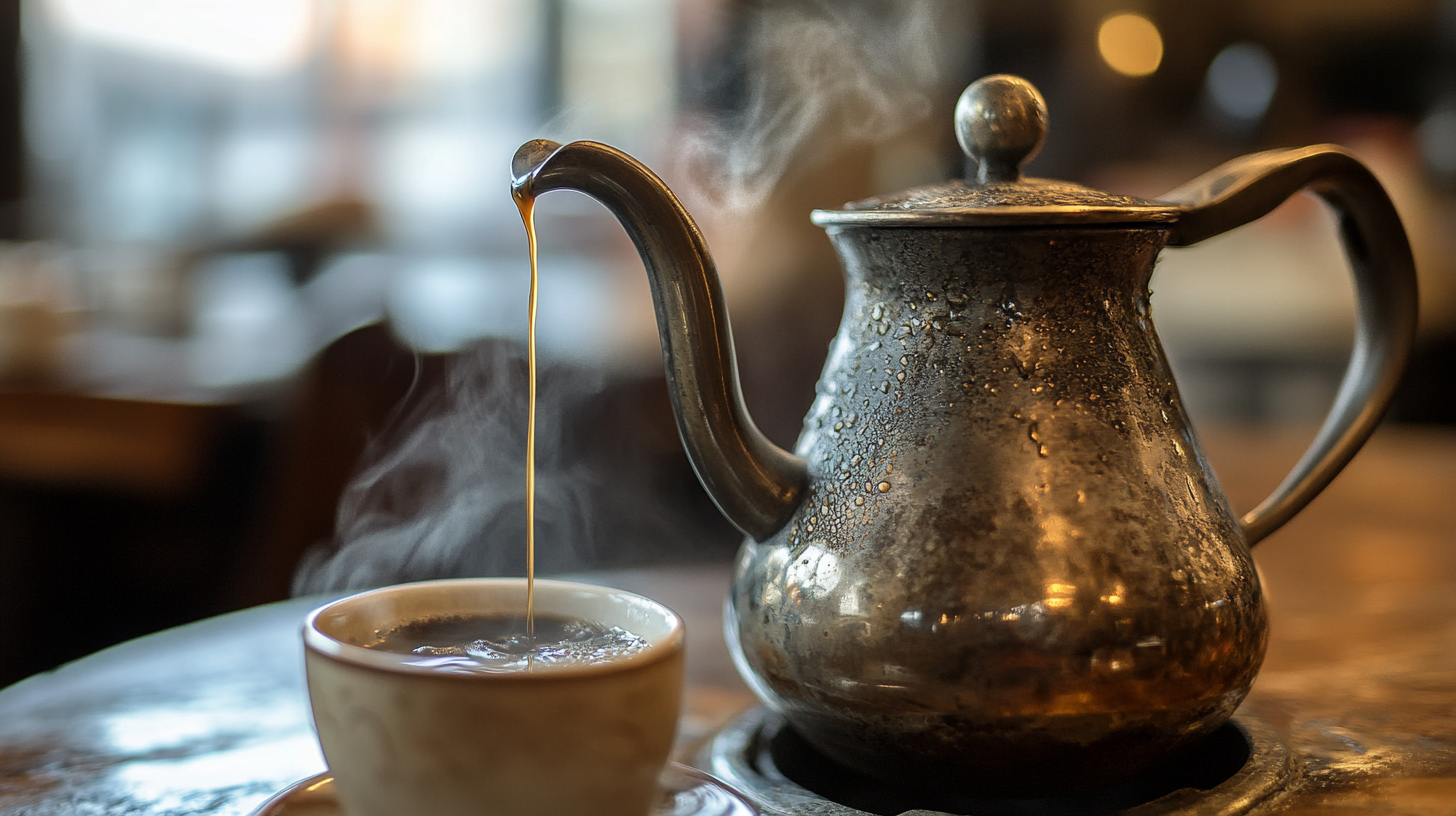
(428, 698)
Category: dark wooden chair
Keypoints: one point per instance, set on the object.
(347, 397)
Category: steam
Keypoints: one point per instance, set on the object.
(820, 74)
(446, 495)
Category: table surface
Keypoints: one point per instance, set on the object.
(1360, 678)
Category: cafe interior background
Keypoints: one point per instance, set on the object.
(263, 286)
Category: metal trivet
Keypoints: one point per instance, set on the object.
(1239, 766)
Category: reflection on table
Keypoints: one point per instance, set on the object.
(1360, 678)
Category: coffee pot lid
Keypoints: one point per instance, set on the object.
(1000, 122)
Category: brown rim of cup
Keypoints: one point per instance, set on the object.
(327, 646)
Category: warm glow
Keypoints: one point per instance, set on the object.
(1130, 44)
(1059, 592)
(251, 37)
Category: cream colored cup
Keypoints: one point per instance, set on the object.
(402, 739)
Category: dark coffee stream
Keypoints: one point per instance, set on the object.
(507, 642)
(526, 203)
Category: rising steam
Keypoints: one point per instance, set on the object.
(446, 497)
(820, 74)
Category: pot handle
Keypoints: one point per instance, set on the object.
(1249, 188)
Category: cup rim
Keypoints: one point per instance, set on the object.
(317, 641)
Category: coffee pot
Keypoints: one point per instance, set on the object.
(997, 560)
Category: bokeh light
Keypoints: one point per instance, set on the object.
(1130, 44)
(245, 37)
(1437, 136)
(1241, 81)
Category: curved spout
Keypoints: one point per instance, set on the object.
(754, 482)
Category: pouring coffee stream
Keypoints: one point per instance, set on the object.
(997, 559)
(527, 205)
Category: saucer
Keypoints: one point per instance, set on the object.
(685, 792)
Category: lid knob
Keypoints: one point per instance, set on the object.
(1000, 122)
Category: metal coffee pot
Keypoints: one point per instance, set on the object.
(997, 560)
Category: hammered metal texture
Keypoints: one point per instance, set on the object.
(1013, 570)
(1026, 192)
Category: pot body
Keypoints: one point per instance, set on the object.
(1013, 571)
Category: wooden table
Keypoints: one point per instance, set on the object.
(1360, 678)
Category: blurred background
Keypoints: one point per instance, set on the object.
(263, 287)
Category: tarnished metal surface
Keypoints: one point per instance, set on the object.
(1012, 568)
(1385, 279)
(754, 482)
(1000, 122)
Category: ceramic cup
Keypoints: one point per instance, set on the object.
(405, 739)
